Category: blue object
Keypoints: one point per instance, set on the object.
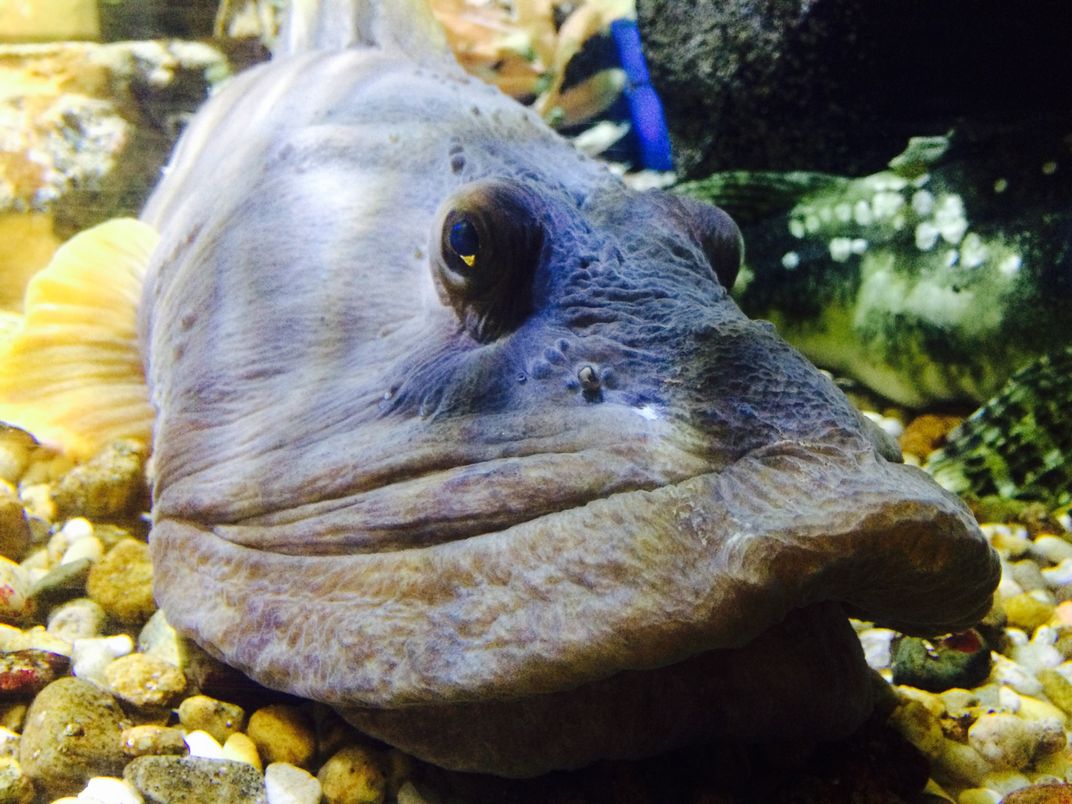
(645, 110)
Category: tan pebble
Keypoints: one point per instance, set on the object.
(978, 795)
(408, 794)
(353, 775)
(1028, 611)
(1005, 781)
(109, 790)
(15, 787)
(16, 605)
(960, 762)
(282, 734)
(71, 735)
(14, 528)
(144, 680)
(110, 484)
(13, 715)
(925, 433)
(1057, 688)
(241, 748)
(16, 447)
(148, 739)
(1035, 709)
(122, 582)
(37, 499)
(9, 742)
(219, 718)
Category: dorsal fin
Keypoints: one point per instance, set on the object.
(338, 24)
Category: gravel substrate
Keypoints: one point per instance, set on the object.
(100, 701)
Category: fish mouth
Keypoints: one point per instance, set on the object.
(471, 478)
(638, 579)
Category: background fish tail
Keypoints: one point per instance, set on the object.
(338, 24)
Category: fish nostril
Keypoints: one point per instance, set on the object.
(591, 385)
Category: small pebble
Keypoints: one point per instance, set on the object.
(282, 734)
(9, 742)
(121, 582)
(16, 447)
(16, 605)
(108, 485)
(80, 618)
(202, 744)
(37, 500)
(90, 657)
(90, 549)
(109, 790)
(1046, 793)
(1059, 575)
(62, 582)
(353, 776)
(287, 784)
(144, 680)
(27, 672)
(876, 643)
(241, 748)
(150, 739)
(1028, 575)
(1007, 741)
(979, 795)
(15, 787)
(15, 533)
(1006, 671)
(72, 733)
(1053, 549)
(219, 718)
(1028, 610)
(193, 780)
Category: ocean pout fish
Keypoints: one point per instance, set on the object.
(459, 435)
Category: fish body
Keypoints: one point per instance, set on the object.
(459, 435)
(931, 282)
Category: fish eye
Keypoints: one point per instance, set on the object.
(486, 244)
(464, 241)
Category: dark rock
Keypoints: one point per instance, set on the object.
(62, 582)
(961, 660)
(840, 85)
(193, 780)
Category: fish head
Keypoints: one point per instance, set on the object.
(488, 446)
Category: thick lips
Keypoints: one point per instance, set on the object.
(639, 579)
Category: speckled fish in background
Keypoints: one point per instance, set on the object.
(930, 282)
(459, 435)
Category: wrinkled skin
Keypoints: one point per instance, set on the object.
(574, 505)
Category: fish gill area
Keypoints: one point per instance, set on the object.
(914, 240)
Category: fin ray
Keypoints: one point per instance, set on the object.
(71, 372)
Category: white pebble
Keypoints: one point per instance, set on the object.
(1002, 739)
(77, 528)
(80, 618)
(289, 784)
(1052, 548)
(203, 744)
(876, 645)
(1059, 575)
(1006, 671)
(89, 547)
(1009, 700)
(90, 656)
(108, 790)
(1036, 656)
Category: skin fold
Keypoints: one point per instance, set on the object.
(459, 435)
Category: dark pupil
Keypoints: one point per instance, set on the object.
(464, 240)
